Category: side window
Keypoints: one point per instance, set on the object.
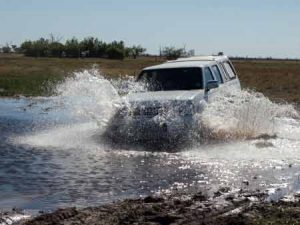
(208, 74)
(223, 72)
(229, 70)
(217, 73)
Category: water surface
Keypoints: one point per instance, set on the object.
(50, 158)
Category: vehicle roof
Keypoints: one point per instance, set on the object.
(201, 58)
(197, 61)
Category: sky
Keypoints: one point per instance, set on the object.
(254, 28)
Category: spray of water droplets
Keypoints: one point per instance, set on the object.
(244, 114)
(89, 98)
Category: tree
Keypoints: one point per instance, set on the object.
(116, 50)
(55, 49)
(115, 53)
(90, 45)
(101, 49)
(6, 49)
(72, 48)
(135, 51)
(27, 48)
(40, 47)
(15, 48)
(53, 38)
(172, 52)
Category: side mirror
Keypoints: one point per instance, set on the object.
(211, 84)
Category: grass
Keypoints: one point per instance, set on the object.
(279, 80)
(28, 76)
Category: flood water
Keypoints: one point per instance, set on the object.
(52, 154)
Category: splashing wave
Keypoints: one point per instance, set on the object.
(244, 114)
(89, 98)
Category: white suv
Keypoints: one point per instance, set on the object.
(176, 91)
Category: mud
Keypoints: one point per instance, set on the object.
(225, 207)
(15, 216)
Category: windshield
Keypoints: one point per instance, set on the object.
(172, 79)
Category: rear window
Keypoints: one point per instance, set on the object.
(229, 70)
(172, 79)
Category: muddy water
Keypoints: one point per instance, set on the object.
(52, 154)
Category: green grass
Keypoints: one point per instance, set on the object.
(28, 76)
(32, 76)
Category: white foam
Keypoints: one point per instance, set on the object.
(91, 101)
(244, 114)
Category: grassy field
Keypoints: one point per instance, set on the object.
(28, 76)
(279, 80)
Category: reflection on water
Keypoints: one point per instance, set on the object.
(50, 158)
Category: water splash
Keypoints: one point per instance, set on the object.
(79, 111)
(89, 95)
(88, 98)
(244, 114)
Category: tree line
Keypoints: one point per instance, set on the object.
(74, 48)
(89, 47)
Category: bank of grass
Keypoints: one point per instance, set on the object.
(29, 76)
(19, 75)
